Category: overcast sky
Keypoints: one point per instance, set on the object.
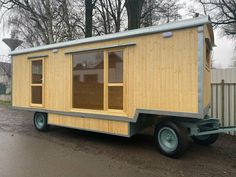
(222, 53)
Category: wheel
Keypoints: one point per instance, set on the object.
(171, 139)
(205, 139)
(41, 121)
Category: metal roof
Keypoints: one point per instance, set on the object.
(131, 33)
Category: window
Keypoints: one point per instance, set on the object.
(115, 72)
(115, 97)
(36, 92)
(37, 75)
(115, 80)
(37, 82)
(98, 80)
(88, 80)
(208, 57)
(208, 49)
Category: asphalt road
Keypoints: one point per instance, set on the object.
(25, 152)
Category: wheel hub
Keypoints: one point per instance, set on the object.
(168, 139)
(40, 121)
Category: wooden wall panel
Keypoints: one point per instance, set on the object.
(57, 82)
(21, 82)
(99, 125)
(162, 73)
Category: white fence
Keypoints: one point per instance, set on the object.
(223, 96)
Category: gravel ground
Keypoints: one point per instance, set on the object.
(137, 155)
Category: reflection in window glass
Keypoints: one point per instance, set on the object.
(88, 81)
(37, 72)
(115, 98)
(115, 72)
(36, 92)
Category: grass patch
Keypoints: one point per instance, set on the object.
(5, 103)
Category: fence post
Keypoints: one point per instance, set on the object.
(212, 100)
(222, 101)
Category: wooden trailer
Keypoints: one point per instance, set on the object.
(120, 83)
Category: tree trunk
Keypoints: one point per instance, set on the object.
(134, 10)
(118, 16)
(88, 18)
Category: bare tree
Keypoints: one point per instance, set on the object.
(44, 21)
(39, 12)
(161, 11)
(70, 19)
(40, 22)
(223, 14)
(111, 15)
(103, 19)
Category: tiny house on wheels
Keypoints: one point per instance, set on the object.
(121, 83)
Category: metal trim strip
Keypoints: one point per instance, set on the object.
(37, 56)
(101, 48)
(116, 118)
(200, 68)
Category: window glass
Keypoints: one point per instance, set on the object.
(115, 97)
(115, 71)
(208, 58)
(88, 80)
(36, 92)
(37, 72)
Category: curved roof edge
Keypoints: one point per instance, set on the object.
(130, 33)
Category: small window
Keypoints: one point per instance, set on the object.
(37, 82)
(115, 80)
(115, 97)
(37, 72)
(208, 53)
(36, 92)
(208, 57)
(115, 73)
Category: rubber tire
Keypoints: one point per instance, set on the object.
(182, 135)
(45, 126)
(206, 142)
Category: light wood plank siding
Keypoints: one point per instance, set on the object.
(99, 125)
(159, 74)
(21, 82)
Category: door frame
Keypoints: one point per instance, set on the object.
(41, 84)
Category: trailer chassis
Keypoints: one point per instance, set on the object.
(206, 126)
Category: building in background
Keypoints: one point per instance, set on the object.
(5, 81)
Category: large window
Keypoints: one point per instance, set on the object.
(88, 80)
(98, 80)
